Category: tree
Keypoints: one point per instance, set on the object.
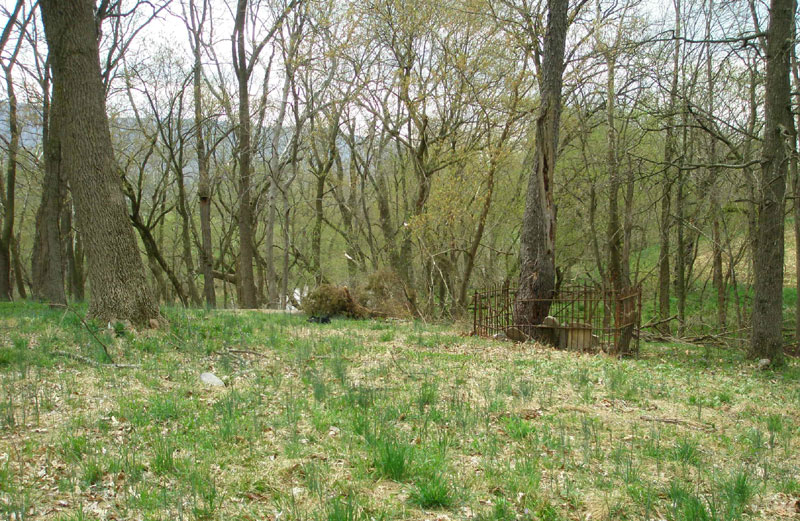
(8, 199)
(669, 178)
(243, 67)
(195, 21)
(779, 131)
(48, 278)
(116, 275)
(538, 234)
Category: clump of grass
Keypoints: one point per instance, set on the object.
(165, 407)
(518, 428)
(163, 461)
(775, 427)
(348, 509)
(314, 476)
(319, 389)
(738, 490)
(392, 458)
(686, 506)
(433, 490)
(92, 470)
(499, 511)
(427, 396)
(686, 452)
(74, 447)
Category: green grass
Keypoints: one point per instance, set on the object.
(363, 420)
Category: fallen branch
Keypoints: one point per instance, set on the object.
(95, 363)
(678, 421)
(89, 329)
(245, 352)
(650, 323)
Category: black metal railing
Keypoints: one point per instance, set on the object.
(580, 317)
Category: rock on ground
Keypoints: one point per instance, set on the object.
(211, 379)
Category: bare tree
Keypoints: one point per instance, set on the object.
(244, 65)
(195, 22)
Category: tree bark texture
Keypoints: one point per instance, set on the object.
(116, 275)
(247, 287)
(7, 233)
(47, 263)
(669, 178)
(779, 131)
(538, 234)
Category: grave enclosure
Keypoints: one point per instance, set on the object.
(581, 318)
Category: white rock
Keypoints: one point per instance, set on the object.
(212, 380)
(764, 363)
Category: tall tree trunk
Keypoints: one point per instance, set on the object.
(286, 245)
(186, 242)
(77, 276)
(795, 173)
(316, 231)
(714, 207)
(680, 222)
(246, 278)
(269, 253)
(618, 265)
(666, 188)
(196, 22)
(538, 233)
(717, 273)
(8, 199)
(19, 271)
(7, 233)
(767, 339)
(47, 263)
(494, 161)
(796, 176)
(116, 274)
(617, 272)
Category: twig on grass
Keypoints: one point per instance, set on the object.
(245, 352)
(95, 363)
(89, 329)
(678, 421)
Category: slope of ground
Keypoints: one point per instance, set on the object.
(359, 420)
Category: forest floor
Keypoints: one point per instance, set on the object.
(361, 420)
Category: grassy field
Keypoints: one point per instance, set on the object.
(360, 420)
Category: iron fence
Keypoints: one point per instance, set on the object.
(584, 318)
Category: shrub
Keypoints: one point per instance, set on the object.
(384, 294)
(328, 300)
